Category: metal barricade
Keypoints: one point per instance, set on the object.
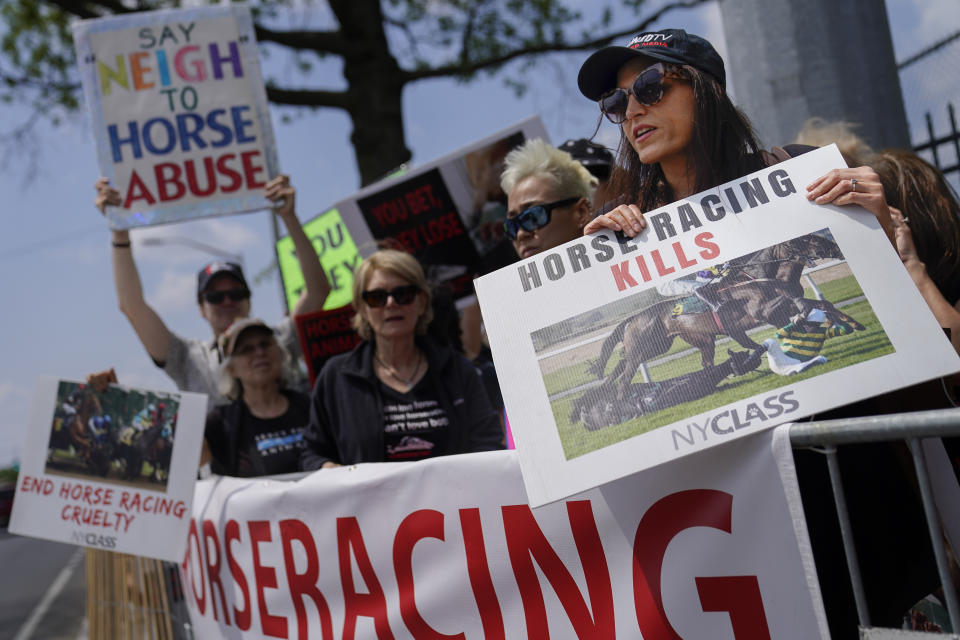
(826, 436)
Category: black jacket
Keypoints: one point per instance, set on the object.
(346, 417)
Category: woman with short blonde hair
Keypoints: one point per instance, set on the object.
(549, 197)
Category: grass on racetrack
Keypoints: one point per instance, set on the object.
(840, 352)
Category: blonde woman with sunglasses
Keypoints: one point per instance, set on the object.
(398, 395)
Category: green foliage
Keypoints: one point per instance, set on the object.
(9, 474)
(457, 37)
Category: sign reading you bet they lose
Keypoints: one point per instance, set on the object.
(179, 112)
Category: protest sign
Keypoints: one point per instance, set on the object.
(710, 548)
(337, 253)
(324, 334)
(581, 413)
(112, 470)
(448, 213)
(178, 112)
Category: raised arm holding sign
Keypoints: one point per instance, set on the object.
(222, 296)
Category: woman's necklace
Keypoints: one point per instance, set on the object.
(408, 382)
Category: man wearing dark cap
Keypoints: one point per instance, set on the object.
(222, 296)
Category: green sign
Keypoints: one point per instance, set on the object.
(338, 255)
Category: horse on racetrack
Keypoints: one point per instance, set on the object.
(762, 287)
(150, 445)
(80, 437)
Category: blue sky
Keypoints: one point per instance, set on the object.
(60, 314)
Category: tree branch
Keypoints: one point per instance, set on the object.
(308, 98)
(469, 68)
(318, 41)
(81, 10)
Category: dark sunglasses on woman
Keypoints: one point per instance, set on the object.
(647, 89)
(401, 295)
(533, 218)
(217, 297)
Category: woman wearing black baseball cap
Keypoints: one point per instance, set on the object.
(681, 134)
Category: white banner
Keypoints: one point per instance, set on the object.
(112, 470)
(709, 548)
(610, 361)
(179, 112)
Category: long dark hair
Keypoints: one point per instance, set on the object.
(920, 191)
(723, 147)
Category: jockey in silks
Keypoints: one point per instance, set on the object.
(99, 427)
(67, 410)
(798, 344)
(697, 286)
(146, 418)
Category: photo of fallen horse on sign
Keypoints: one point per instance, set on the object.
(752, 324)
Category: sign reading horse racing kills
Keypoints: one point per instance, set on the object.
(179, 112)
(737, 309)
(112, 470)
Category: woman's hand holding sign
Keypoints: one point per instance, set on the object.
(860, 186)
(626, 217)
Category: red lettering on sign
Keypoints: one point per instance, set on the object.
(137, 190)
(266, 578)
(526, 542)
(425, 523)
(372, 604)
(194, 540)
(304, 584)
(213, 569)
(740, 597)
(479, 570)
(710, 249)
(241, 617)
(660, 524)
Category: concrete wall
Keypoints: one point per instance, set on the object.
(790, 60)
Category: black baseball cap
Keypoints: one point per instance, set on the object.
(214, 269)
(596, 158)
(599, 73)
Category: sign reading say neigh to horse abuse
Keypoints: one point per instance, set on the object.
(739, 308)
(179, 112)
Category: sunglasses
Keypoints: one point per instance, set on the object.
(252, 346)
(401, 295)
(217, 297)
(647, 89)
(535, 217)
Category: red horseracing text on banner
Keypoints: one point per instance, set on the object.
(453, 550)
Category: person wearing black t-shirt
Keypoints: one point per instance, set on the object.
(261, 431)
(398, 395)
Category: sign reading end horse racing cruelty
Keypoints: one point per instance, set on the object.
(179, 112)
(112, 470)
(737, 309)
